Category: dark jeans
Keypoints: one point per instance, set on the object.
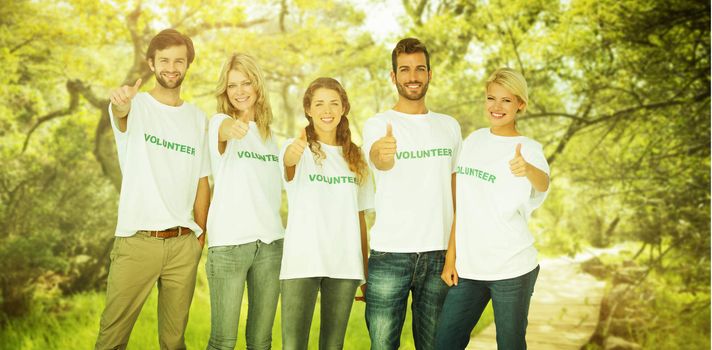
(391, 277)
(466, 301)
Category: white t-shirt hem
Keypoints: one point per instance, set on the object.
(128, 233)
(338, 276)
(263, 239)
(401, 250)
(498, 276)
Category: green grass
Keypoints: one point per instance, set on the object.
(73, 323)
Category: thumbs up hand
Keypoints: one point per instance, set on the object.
(383, 151)
(295, 150)
(518, 166)
(233, 129)
(121, 97)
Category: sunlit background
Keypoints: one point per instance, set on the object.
(620, 99)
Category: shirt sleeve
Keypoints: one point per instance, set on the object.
(373, 130)
(282, 169)
(457, 135)
(366, 193)
(204, 154)
(213, 129)
(277, 151)
(121, 137)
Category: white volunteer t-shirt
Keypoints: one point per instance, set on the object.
(493, 206)
(162, 155)
(323, 236)
(414, 199)
(247, 190)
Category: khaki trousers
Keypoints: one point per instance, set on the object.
(137, 263)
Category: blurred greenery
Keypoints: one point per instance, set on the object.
(620, 99)
(73, 323)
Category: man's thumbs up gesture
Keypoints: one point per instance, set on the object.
(121, 98)
(383, 151)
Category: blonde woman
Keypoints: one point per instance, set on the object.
(246, 233)
(502, 176)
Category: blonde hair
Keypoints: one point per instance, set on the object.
(514, 82)
(246, 65)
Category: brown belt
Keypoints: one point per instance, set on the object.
(170, 233)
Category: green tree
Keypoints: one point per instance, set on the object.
(60, 176)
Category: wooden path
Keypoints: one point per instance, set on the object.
(564, 310)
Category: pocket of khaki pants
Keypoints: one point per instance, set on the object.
(196, 242)
(118, 242)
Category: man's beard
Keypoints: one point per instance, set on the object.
(402, 90)
(165, 84)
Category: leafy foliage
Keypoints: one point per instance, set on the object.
(620, 99)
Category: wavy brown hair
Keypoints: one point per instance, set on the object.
(248, 66)
(352, 153)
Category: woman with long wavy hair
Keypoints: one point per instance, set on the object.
(325, 247)
(246, 233)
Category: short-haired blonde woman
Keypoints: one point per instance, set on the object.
(502, 177)
(246, 233)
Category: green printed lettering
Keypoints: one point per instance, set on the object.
(332, 180)
(476, 173)
(173, 146)
(257, 156)
(426, 153)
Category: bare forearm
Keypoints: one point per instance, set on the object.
(451, 245)
(449, 273)
(223, 130)
(538, 179)
(121, 116)
(364, 241)
(202, 203)
(451, 242)
(120, 112)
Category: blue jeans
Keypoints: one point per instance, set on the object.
(298, 301)
(466, 301)
(228, 268)
(391, 277)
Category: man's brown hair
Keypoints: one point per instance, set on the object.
(168, 38)
(408, 46)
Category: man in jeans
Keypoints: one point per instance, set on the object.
(413, 154)
(161, 141)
